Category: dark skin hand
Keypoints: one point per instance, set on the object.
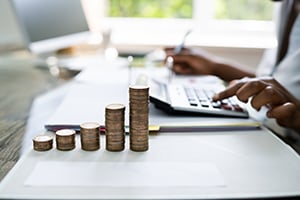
(198, 62)
(282, 105)
(191, 62)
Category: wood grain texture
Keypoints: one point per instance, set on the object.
(20, 83)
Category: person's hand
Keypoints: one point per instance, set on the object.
(287, 115)
(199, 62)
(191, 62)
(283, 106)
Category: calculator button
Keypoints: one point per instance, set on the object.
(216, 104)
(200, 94)
(224, 101)
(204, 104)
(238, 108)
(226, 107)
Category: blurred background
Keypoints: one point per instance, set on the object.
(225, 27)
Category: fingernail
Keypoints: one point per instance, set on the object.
(215, 97)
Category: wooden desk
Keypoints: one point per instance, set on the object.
(20, 82)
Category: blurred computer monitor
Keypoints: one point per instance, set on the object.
(50, 25)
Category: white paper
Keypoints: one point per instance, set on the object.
(93, 89)
(130, 174)
(104, 75)
(86, 103)
(96, 87)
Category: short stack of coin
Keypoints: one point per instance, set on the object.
(65, 139)
(139, 117)
(90, 136)
(42, 143)
(114, 127)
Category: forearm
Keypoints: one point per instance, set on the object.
(229, 71)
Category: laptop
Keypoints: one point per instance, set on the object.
(194, 98)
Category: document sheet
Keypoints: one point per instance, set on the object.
(129, 174)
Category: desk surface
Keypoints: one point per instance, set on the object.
(20, 82)
(276, 173)
(247, 164)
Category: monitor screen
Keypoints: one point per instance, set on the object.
(49, 25)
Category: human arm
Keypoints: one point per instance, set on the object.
(198, 62)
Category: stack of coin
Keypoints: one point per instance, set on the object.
(65, 139)
(114, 126)
(42, 143)
(138, 118)
(90, 136)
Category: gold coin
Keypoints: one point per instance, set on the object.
(90, 125)
(115, 106)
(65, 132)
(42, 143)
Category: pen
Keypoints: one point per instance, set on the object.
(177, 50)
(179, 47)
(169, 65)
(130, 60)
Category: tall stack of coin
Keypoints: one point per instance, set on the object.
(65, 139)
(114, 127)
(90, 136)
(42, 142)
(138, 118)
